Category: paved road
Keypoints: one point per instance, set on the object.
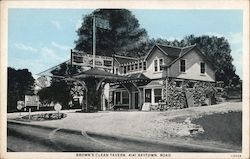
(33, 138)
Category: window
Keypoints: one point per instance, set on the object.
(156, 65)
(125, 97)
(144, 65)
(148, 95)
(161, 64)
(190, 84)
(178, 83)
(117, 97)
(157, 94)
(132, 67)
(116, 71)
(202, 67)
(128, 67)
(183, 65)
(136, 66)
(140, 65)
(125, 69)
(107, 63)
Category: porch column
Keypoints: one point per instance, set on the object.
(139, 95)
(102, 96)
(166, 84)
(166, 89)
(152, 96)
(130, 100)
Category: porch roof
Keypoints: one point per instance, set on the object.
(135, 77)
(155, 83)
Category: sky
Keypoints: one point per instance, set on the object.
(42, 38)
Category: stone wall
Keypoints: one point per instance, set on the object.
(176, 98)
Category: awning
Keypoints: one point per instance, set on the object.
(135, 77)
(155, 83)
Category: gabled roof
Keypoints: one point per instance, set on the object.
(169, 50)
(124, 59)
(172, 51)
(187, 50)
(137, 76)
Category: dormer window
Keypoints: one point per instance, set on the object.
(183, 65)
(203, 68)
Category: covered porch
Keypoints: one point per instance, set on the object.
(134, 92)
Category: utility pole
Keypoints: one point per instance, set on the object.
(94, 41)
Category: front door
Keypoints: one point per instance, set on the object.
(148, 97)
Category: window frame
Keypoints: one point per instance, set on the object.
(144, 65)
(201, 68)
(181, 82)
(128, 68)
(125, 69)
(180, 66)
(157, 96)
(161, 65)
(122, 97)
(136, 66)
(132, 67)
(116, 70)
(191, 84)
(155, 65)
(140, 65)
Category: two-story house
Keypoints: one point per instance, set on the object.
(166, 74)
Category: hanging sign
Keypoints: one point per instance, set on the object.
(84, 59)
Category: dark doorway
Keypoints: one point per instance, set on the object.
(148, 95)
(136, 100)
(118, 98)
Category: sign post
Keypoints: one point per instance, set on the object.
(29, 112)
(57, 108)
(94, 40)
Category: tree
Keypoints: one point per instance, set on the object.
(59, 90)
(20, 83)
(125, 37)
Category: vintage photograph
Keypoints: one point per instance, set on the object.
(124, 80)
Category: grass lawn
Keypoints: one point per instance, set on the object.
(226, 127)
